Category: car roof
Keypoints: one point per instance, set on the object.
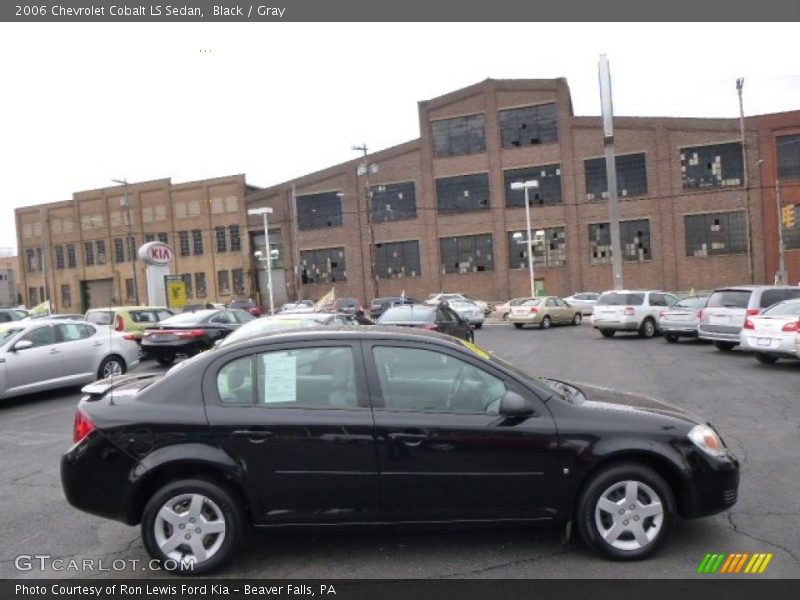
(128, 308)
(752, 288)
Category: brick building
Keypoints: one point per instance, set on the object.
(444, 216)
(9, 274)
(78, 252)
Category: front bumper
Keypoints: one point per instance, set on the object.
(713, 486)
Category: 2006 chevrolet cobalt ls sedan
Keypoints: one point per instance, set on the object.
(381, 425)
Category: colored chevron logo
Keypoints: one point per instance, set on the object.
(734, 563)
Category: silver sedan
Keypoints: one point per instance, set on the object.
(469, 311)
(48, 354)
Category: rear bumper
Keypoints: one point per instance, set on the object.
(624, 325)
(679, 330)
(156, 350)
(717, 336)
(779, 346)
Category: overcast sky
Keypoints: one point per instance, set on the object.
(85, 103)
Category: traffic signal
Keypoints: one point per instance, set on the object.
(787, 216)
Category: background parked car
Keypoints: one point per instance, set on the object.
(434, 299)
(583, 300)
(469, 311)
(283, 322)
(301, 306)
(682, 318)
(630, 310)
(773, 333)
(348, 306)
(379, 305)
(10, 314)
(48, 354)
(544, 311)
(129, 319)
(247, 304)
(189, 333)
(504, 309)
(722, 318)
(57, 317)
(439, 318)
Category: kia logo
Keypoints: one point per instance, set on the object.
(156, 253)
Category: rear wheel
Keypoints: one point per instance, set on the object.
(166, 359)
(766, 359)
(192, 526)
(545, 324)
(607, 332)
(111, 367)
(518, 325)
(647, 329)
(478, 325)
(724, 346)
(577, 319)
(626, 511)
(671, 338)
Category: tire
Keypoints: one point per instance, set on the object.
(546, 322)
(111, 366)
(647, 329)
(724, 346)
(478, 325)
(608, 332)
(216, 503)
(637, 532)
(766, 359)
(671, 338)
(166, 360)
(505, 316)
(471, 337)
(577, 319)
(518, 325)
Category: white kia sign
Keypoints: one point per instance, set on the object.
(156, 253)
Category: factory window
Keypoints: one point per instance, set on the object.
(529, 126)
(236, 240)
(464, 193)
(634, 238)
(30, 260)
(183, 242)
(119, 250)
(100, 254)
(149, 237)
(315, 211)
(397, 259)
(238, 281)
(631, 176)
(549, 248)
(132, 247)
(788, 156)
(548, 192)
(322, 266)
(223, 283)
(163, 237)
(222, 239)
(716, 233)
(72, 260)
(458, 136)
(394, 202)
(88, 254)
(718, 165)
(66, 295)
(467, 254)
(33, 296)
(187, 281)
(200, 284)
(59, 252)
(197, 241)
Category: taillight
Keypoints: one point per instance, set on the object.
(789, 327)
(752, 311)
(534, 310)
(130, 337)
(700, 314)
(748, 324)
(662, 313)
(189, 333)
(118, 324)
(83, 426)
(629, 311)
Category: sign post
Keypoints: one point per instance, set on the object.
(157, 256)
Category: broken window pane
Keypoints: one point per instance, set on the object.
(549, 248)
(394, 201)
(397, 259)
(326, 265)
(467, 254)
(458, 136)
(315, 211)
(716, 233)
(464, 193)
(634, 239)
(548, 192)
(718, 165)
(631, 177)
(529, 126)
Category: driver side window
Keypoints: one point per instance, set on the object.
(41, 336)
(413, 379)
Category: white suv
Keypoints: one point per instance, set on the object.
(630, 310)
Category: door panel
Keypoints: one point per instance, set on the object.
(449, 455)
(34, 368)
(298, 421)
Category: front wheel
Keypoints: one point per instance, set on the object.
(111, 367)
(766, 359)
(671, 338)
(577, 319)
(518, 325)
(192, 526)
(625, 512)
(166, 360)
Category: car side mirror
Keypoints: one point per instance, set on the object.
(514, 405)
(23, 345)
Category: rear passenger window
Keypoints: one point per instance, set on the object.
(770, 297)
(235, 382)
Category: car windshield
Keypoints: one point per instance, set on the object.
(545, 389)
(784, 309)
(199, 316)
(407, 314)
(462, 304)
(696, 302)
(260, 327)
(729, 299)
(516, 301)
(6, 333)
(621, 299)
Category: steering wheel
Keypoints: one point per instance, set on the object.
(458, 381)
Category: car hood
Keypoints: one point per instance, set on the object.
(598, 398)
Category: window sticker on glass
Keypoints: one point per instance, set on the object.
(280, 377)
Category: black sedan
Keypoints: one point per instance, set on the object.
(374, 425)
(439, 318)
(380, 305)
(190, 333)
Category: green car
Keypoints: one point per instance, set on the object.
(129, 319)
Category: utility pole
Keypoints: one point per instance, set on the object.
(781, 261)
(45, 227)
(368, 201)
(611, 171)
(131, 240)
(745, 170)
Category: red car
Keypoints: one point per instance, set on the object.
(247, 304)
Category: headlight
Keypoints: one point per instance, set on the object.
(707, 440)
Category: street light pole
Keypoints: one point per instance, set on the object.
(527, 185)
(131, 243)
(368, 201)
(266, 210)
(781, 260)
(746, 174)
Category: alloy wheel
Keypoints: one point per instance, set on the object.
(629, 515)
(112, 368)
(190, 527)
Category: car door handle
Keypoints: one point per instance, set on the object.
(55, 351)
(97, 344)
(255, 436)
(409, 439)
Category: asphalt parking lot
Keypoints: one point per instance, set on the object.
(756, 408)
